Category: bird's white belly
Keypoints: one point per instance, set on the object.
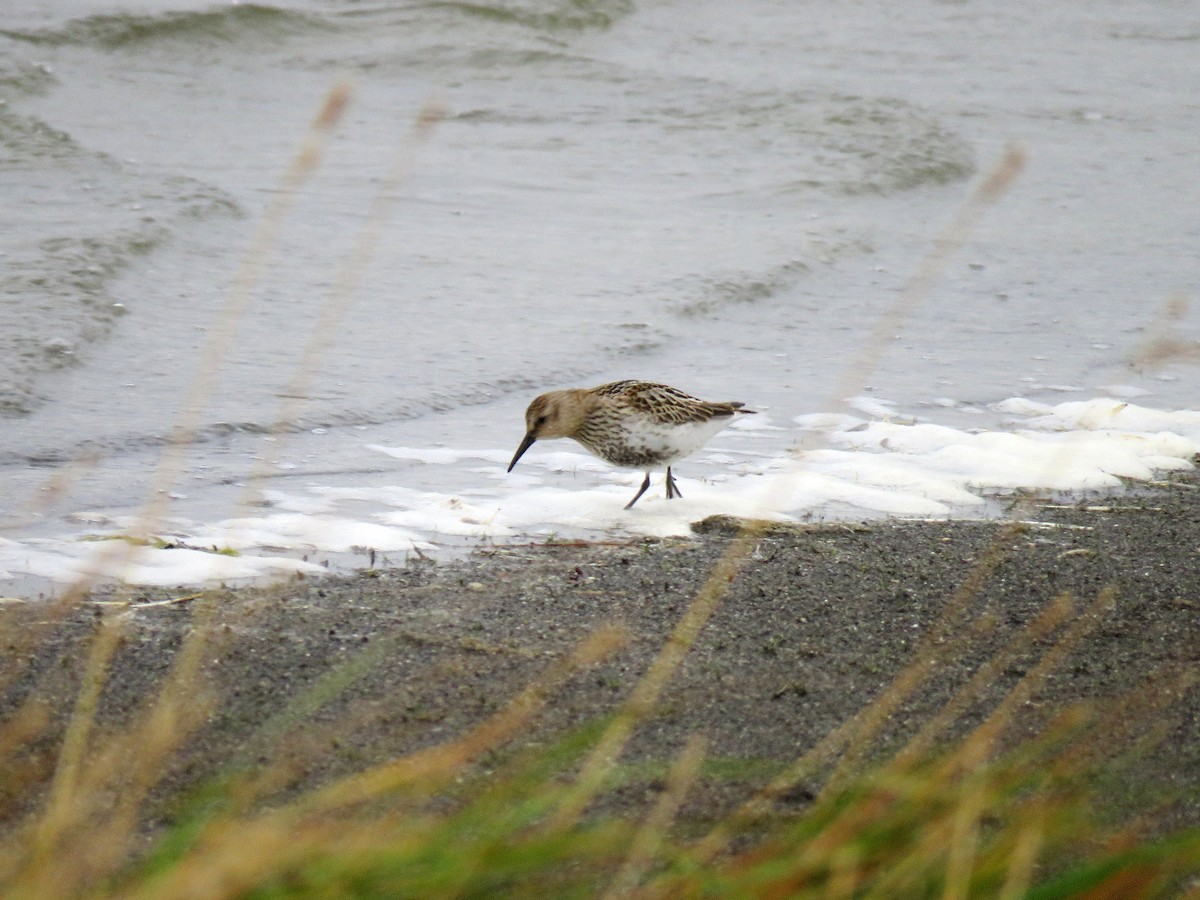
(665, 445)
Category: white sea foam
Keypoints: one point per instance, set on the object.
(301, 532)
(439, 455)
(1103, 413)
(68, 561)
(873, 406)
(838, 466)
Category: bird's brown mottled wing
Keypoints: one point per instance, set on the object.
(616, 388)
(664, 404)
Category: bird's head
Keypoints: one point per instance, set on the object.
(557, 414)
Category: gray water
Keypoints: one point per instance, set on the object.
(724, 197)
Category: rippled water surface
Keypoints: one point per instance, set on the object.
(729, 199)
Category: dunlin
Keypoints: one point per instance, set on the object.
(633, 424)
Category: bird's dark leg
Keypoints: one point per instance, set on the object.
(641, 490)
(672, 487)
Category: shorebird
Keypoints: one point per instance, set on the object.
(632, 424)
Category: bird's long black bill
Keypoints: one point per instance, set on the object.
(525, 445)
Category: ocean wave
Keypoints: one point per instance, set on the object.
(463, 395)
(563, 15)
(25, 79)
(836, 144)
(894, 147)
(226, 24)
(77, 219)
(710, 293)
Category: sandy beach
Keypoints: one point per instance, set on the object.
(334, 674)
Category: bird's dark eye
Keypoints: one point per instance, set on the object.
(539, 422)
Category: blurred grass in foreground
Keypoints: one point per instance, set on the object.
(484, 816)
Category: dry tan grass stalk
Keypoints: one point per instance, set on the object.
(56, 486)
(135, 760)
(67, 808)
(862, 726)
(845, 873)
(237, 302)
(964, 841)
(161, 731)
(139, 758)
(443, 761)
(1024, 856)
(763, 801)
(949, 242)
(939, 645)
(337, 302)
(649, 688)
(982, 740)
(1050, 618)
(220, 338)
(1122, 721)
(24, 724)
(935, 648)
(110, 784)
(1163, 344)
(650, 836)
(220, 865)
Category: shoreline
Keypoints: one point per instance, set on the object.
(334, 674)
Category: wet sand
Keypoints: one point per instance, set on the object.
(816, 623)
